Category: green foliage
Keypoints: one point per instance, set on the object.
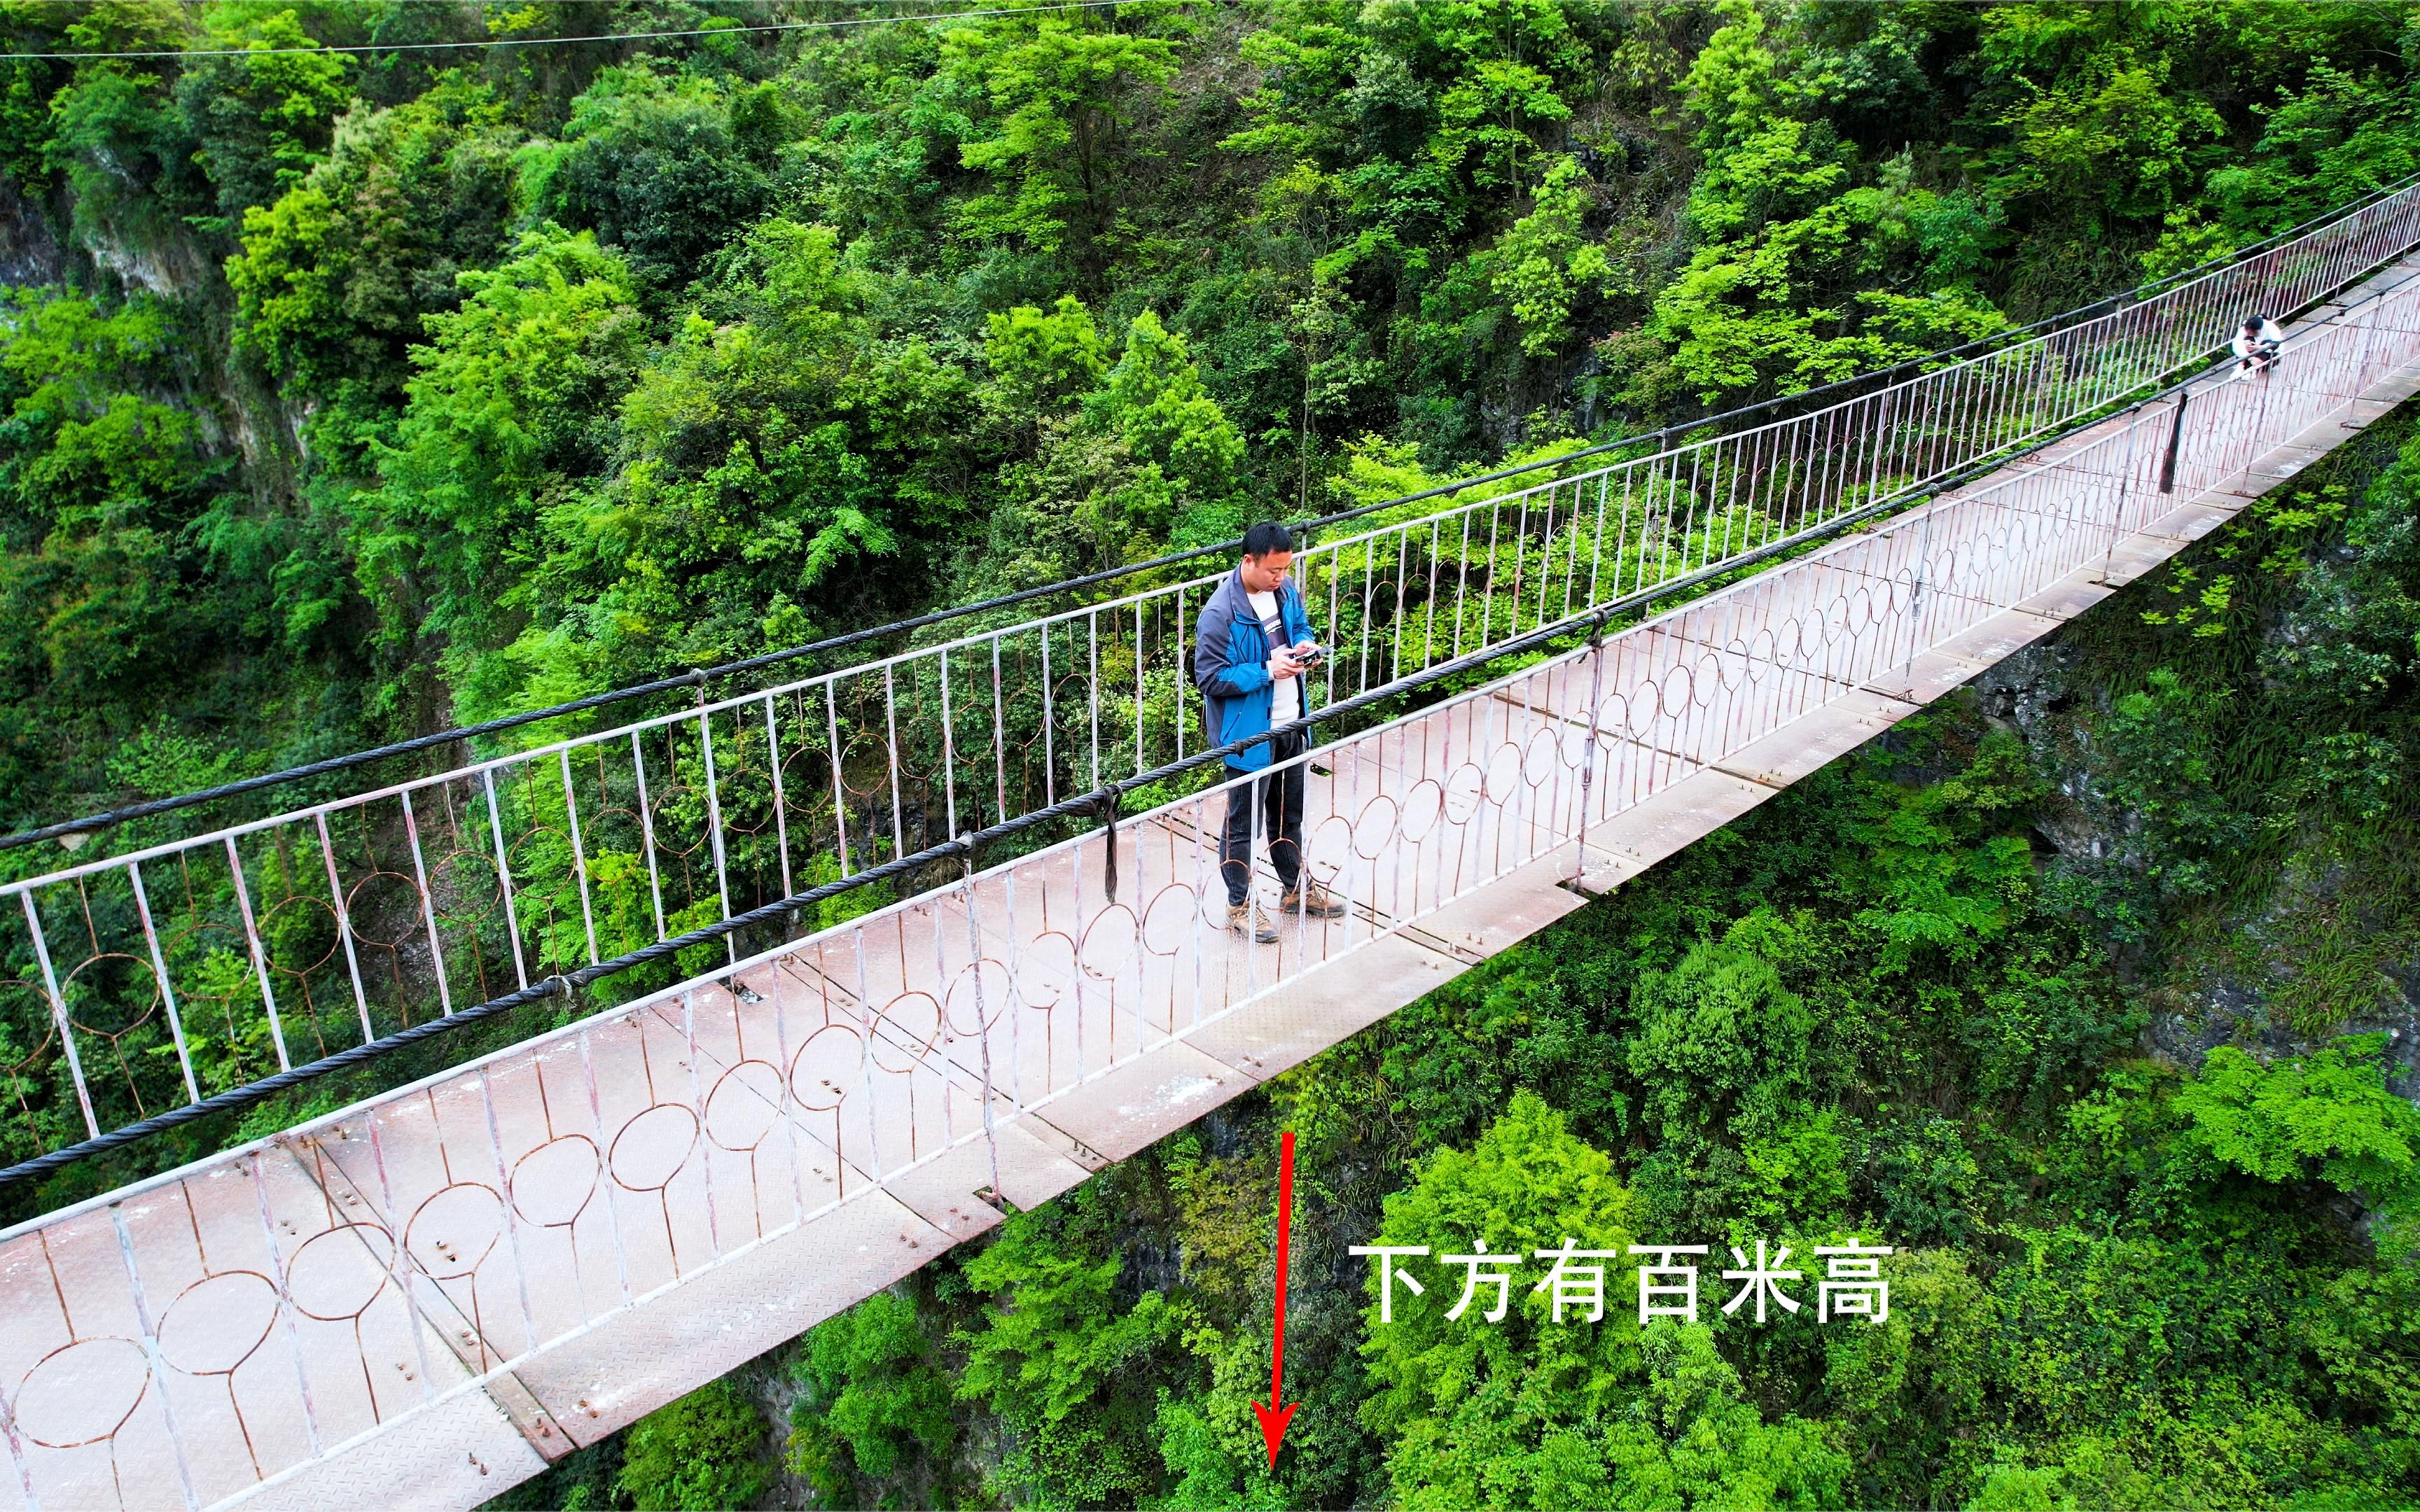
(1054, 1359)
(1532, 1413)
(336, 273)
(1546, 262)
(1941, 880)
(1210, 1441)
(357, 392)
(873, 1394)
(114, 138)
(1054, 1341)
(1066, 92)
(699, 1454)
(1527, 1183)
(1721, 1043)
(2166, 737)
(505, 408)
(1782, 286)
(1127, 453)
(1041, 362)
(2328, 1114)
(1694, 1441)
(260, 122)
(665, 166)
(1798, 1176)
(110, 508)
(1156, 399)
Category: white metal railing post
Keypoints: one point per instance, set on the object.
(60, 1020)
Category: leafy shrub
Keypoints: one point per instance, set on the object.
(872, 1395)
(699, 1454)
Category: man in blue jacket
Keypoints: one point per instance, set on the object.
(1253, 649)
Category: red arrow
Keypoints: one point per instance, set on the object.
(1273, 1417)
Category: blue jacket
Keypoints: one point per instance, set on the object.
(1231, 653)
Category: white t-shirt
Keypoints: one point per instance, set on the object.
(1285, 693)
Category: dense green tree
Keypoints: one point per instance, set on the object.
(665, 166)
(699, 1454)
(259, 122)
(110, 508)
(336, 273)
(873, 1394)
(512, 406)
(1468, 1409)
(1064, 140)
(2329, 1117)
(1056, 1357)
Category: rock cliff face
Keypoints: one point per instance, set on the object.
(235, 407)
(29, 255)
(2055, 696)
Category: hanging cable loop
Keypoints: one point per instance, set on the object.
(1104, 806)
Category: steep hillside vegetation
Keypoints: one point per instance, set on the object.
(349, 393)
(346, 394)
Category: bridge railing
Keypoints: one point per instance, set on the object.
(154, 979)
(184, 1340)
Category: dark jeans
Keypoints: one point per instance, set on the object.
(1272, 806)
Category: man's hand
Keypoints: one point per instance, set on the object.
(1282, 664)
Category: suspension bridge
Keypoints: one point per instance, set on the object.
(943, 930)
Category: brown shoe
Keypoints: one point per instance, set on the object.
(1251, 919)
(1310, 898)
